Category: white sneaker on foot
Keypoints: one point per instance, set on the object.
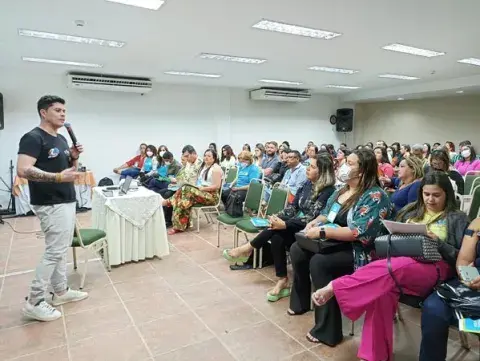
(69, 296)
(41, 312)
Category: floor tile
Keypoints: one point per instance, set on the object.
(154, 307)
(207, 293)
(121, 345)
(346, 351)
(96, 321)
(261, 342)
(55, 354)
(11, 316)
(131, 271)
(32, 338)
(173, 332)
(211, 350)
(303, 356)
(24, 259)
(15, 289)
(142, 287)
(97, 297)
(204, 256)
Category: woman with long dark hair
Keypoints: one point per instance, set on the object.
(374, 289)
(227, 159)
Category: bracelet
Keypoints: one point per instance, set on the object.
(58, 177)
(74, 158)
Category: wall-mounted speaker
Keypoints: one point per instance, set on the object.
(2, 124)
(344, 120)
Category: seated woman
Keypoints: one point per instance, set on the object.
(309, 201)
(205, 193)
(439, 161)
(246, 147)
(259, 155)
(312, 152)
(246, 173)
(357, 210)
(227, 159)
(167, 170)
(374, 289)
(385, 169)
(437, 316)
(150, 164)
(468, 161)
(406, 185)
(133, 166)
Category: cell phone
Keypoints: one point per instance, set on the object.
(468, 273)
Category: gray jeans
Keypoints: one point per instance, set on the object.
(57, 223)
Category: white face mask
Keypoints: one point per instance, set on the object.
(167, 163)
(466, 153)
(149, 154)
(244, 164)
(162, 153)
(344, 173)
(390, 152)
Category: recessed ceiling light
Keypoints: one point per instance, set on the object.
(70, 38)
(273, 81)
(341, 86)
(187, 73)
(471, 61)
(146, 4)
(412, 50)
(459, 92)
(238, 59)
(400, 99)
(295, 30)
(62, 62)
(333, 70)
(399, 77)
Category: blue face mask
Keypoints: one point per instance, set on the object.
(244, 164)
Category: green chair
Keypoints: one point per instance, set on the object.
(471, 181)
(208, 210)
(276, 203)
(475, 205)
(251, 205)
(90, 239)
(231, 175)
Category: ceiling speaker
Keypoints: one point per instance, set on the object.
(344, 120)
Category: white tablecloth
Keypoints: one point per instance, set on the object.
(134, 223)
(22, 202)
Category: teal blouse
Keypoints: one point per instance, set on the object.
(364, 219)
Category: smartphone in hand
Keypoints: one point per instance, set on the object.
(468, 273)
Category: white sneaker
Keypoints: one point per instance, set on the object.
(41, 312)
(69, 296)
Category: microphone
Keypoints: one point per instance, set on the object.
(71, 133)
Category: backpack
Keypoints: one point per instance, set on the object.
(105, 182)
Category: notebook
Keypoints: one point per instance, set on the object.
(469, 325)
(260, 222)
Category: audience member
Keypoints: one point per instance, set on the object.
(259, 155)
(451, 151)
(295, 176)
(193, 164)
(405, 151)
(417, 151)
(213, 146)
(247, 171)
(162, 149)
(468, 161)
(166, 172)
(280, 169)
(150, 161)
(406, 185)
(312, 152)
(133, 166)
(247, 147)
(227, 159)
(271, 159)
(439, 161)
(385, 169)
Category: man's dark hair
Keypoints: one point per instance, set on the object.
(47, 101)
(189, 149)
(297, 154)
(167, 155)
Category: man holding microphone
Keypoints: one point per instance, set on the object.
(50, 165)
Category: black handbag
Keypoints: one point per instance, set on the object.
(416, 246)
(321, 246)
(234, 204)
(464, 300)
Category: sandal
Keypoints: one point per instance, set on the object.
(241, 259)
(293, 313)
(174, 231)
(285, 292)
(311, 339)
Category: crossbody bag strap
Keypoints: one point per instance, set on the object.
(389, 265)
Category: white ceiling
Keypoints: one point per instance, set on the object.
(173, 37)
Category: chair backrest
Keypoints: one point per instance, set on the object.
(254, 195)
(231, 175)
(475, 206)
(76, 233)
(277, 202)
(469, 182)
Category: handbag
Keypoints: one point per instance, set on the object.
(321, 246)
(417, 246)
(234, 204)
(464, 301)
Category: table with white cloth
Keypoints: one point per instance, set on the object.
(83, 192)
(134, 223)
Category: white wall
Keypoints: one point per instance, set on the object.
(417, 121)
(111, 125)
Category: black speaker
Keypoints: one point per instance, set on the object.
(344, 120)
(2, 125)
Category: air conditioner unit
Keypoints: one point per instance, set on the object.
(281, 94)
(109, 83)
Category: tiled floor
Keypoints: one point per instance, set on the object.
(188, 306)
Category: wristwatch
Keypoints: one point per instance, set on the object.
(321, 233)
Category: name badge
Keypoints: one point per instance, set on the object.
(333, 212)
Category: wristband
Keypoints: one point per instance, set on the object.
(58, 177)
(322, 234)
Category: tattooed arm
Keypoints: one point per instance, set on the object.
(26, 169)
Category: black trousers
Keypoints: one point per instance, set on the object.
(323, 268)
(281, 241)
(167, 211)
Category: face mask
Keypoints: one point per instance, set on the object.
(167, 163)
(466, 153)
(162, 153)
(344, 173)
(244, 164)
(323, 148)
(390, 152)
(149, 154)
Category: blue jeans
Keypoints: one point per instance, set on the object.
(437, 317)
(132, 172)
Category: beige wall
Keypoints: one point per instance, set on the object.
(418, 121)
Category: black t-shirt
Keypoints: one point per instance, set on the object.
(53, 155)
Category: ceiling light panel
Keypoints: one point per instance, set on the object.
(399, 77)
(400, 48)
(70, 38)
(471, 61)
(236, 59)
(295, 30)
(61, 62)
(342, 86)
(286, 82)
(186, 73)
(333, 70)
(146, 4)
